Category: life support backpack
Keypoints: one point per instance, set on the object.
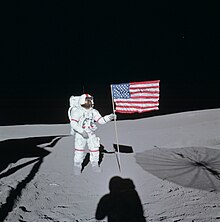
(74, 104)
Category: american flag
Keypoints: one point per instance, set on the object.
(136, 96)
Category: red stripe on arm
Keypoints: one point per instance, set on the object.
(98, 119)
(74, 120)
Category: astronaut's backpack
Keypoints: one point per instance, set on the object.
(74, 104)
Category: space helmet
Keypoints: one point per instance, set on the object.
(86, 101)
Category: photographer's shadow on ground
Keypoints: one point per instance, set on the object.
(122, 203)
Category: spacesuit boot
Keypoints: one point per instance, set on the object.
(77, 169)
(96, 168)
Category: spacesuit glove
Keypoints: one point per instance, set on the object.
(85, 134)
(112, 116)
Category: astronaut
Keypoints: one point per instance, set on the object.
(83, 124)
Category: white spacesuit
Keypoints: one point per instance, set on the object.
(83, 124)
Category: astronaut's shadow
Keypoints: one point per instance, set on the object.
(101, 156)
(102, 152)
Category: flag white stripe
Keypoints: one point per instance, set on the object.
(144, 90)
(137, 104)
(144, 85)
(138, 99)
(144, 94)
(131, 110)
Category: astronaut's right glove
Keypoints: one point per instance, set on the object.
(85, 134)
(110, 117)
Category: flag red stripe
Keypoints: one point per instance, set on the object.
(138, 102)
(145, 82)
(130, 110)
(136, 107)
(143, 87)
(143, 100)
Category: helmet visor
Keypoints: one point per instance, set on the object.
(89, 98)
(88, 102)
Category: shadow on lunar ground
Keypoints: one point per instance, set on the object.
(12, 151)
(194, 167)
(103, 151)
(101, 155)
(122, 203)
(123, 148)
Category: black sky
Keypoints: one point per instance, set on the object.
(53, 49)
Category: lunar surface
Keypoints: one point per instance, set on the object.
(173, 161)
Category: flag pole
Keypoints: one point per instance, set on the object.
(116, 134)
